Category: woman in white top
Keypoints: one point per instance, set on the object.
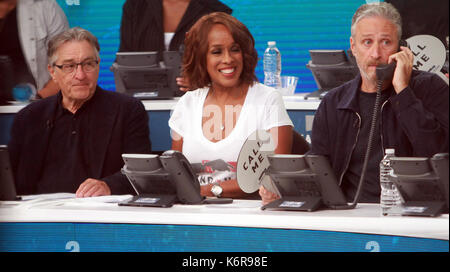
(210, 124)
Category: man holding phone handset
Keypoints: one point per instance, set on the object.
(413, 111)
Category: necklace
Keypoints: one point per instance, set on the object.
(233, 102)
(222, 125)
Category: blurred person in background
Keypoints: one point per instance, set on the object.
(26, 26)
(161, 25)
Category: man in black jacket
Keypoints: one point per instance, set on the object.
(412, 114)
(73, 141)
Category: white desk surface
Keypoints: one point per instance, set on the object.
(294, 102)
(366, 218)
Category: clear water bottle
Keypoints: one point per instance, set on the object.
(390, 198)
(23, 92)
(272, 65)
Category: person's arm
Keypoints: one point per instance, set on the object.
(277, 120)
(177, 141)
(136, 139)
(51, 88)
(320, 142)
(126, 27)
(57, 22)
(283, 140)
(54, 24)
(230, 189)
(424, 119)
(282, 137)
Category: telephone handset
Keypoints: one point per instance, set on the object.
(386, 71)
(161, 181)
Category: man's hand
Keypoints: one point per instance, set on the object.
(403, 70)
(93, 187)
(267, 196)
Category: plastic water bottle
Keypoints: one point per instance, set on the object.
(390, 198)
(272, 66)
(23, 92)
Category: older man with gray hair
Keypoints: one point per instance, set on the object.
(72, 142)
(412, 114)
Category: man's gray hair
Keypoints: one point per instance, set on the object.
(381, 9)
(73, 34)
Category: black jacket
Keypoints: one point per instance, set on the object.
(119, 125)
(413, 122)
(142, 24)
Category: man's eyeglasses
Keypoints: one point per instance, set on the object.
(87, 66)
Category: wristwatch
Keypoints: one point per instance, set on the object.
(216, 190)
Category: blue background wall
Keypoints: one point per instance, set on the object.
(296, 25)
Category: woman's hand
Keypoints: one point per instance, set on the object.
(267, 196)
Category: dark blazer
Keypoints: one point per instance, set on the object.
(142, 24)
(120, 125)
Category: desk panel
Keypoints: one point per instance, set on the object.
(88, 237)
(160, 131)
(79, 224)
(6, 120)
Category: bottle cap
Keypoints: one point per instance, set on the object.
(271, 43)
(389, 151)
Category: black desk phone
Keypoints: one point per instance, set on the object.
(161, 181)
